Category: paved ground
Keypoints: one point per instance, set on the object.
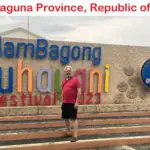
(111, 148)
(132, 147)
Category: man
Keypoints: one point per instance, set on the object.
(71, 92)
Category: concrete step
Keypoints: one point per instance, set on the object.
(81, 144)
(56, 110)
(29, 130)
(80, 116)
(82, 132)
(90, 122)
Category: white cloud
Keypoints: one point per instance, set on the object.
(7, 23)
(120, 30)
(110, 30)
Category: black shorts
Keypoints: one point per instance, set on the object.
(68, 111)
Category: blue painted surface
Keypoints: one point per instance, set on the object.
(145, 73)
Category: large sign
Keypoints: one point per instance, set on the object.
(145, 73)
(31, 72)
(41, 50)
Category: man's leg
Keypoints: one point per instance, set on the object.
(68, 125)
(75, 130)
(66, 119)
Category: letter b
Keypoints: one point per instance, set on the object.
(41, 49)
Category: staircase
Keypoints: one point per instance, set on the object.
(45, 131)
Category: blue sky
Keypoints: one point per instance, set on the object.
(110, 30)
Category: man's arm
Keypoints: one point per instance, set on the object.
(78, 97)
(78, 92)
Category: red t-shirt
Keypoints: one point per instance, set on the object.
(70, 90)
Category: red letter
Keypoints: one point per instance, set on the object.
(80, 8)
(93, 6)
(38, 6)
(13, 98)
(99, 98)
(30, 100)
(82, 72)
(37, 102)
(3, 99)
(47, 100)
(133, 8)
(23, 97)
(54, 98)
(89, 101)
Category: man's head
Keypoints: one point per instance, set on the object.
(68, 71)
